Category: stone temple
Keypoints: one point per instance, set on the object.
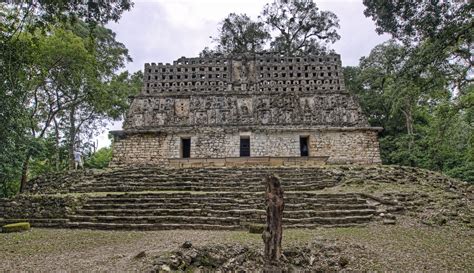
(203, 134)
(262, 109)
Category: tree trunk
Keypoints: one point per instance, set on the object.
(24, 172)
(273, 231)
(409, 125)
(56, 139)
(72, 136)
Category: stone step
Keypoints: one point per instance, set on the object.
(209, 176)
(215, 172)
(224, 206)
(205, 184)
(38, 222)
(206, 188)
(223, 179)
(154, 226)
(170, 219)
(151, 199)
(313, 226)
(209, 199)
(181, 194)
(187, 221)
(329, 220)
(222, 213)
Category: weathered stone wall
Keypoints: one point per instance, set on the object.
(247, 73)
(260, 89)
(140, 149)
(323, 109)
(275, 144)
(341, 145)
(346, 146)
(269, 98)
(38, 207)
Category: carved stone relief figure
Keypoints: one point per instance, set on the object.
(195, 103)
(262, 103)
(244, 110)
(138, 120)
(168, 104)
(200, 117)
(245, 106)
(159, 119)
(181, 107)
(237, 73)
(212, 116)
(264, 116)
(224, 116)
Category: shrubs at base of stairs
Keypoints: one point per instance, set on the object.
(256, 228)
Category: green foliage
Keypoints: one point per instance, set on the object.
(300, 26)
(53, 62)
(293, 27)
(99, 159)
(425, 125)
(13, 119)
(51, 11)
(239, 34)
(419, 85)
(256, 228)
(438, 34)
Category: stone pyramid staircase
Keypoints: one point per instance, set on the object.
(218, 210)
(208, 198)
(205, 179)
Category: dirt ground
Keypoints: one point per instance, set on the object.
(378, 247)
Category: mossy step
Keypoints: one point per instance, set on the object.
(226, 206)
(16, 227)
(156, 219)
(173, 199)
(190, 188)
(206, 178)
(328, 213)
(37, 222)
(155, 226)
(329, 220)
(220, 213)
(169, 197)
(313, 226)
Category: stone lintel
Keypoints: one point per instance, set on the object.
(171, 130)
(276, 161)
(244, 93)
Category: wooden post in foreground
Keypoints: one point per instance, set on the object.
(273, 230)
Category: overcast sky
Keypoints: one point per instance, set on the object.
(164, 30)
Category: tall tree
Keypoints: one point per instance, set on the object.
(92, 101)
(302, 28)
(438, 37)
(16, 19)
(438, 33)
(423, 125)
(239, 34)
(58, 60)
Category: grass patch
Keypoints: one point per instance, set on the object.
(372, 248)
(40, 241)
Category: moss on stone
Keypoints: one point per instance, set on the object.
(256, 228)
(16, 227)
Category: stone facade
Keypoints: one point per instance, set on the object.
(271, 100)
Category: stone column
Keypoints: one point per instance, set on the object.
(273, 230)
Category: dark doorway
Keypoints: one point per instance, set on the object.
(186, 147)
(245, 147)
(304, 149)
